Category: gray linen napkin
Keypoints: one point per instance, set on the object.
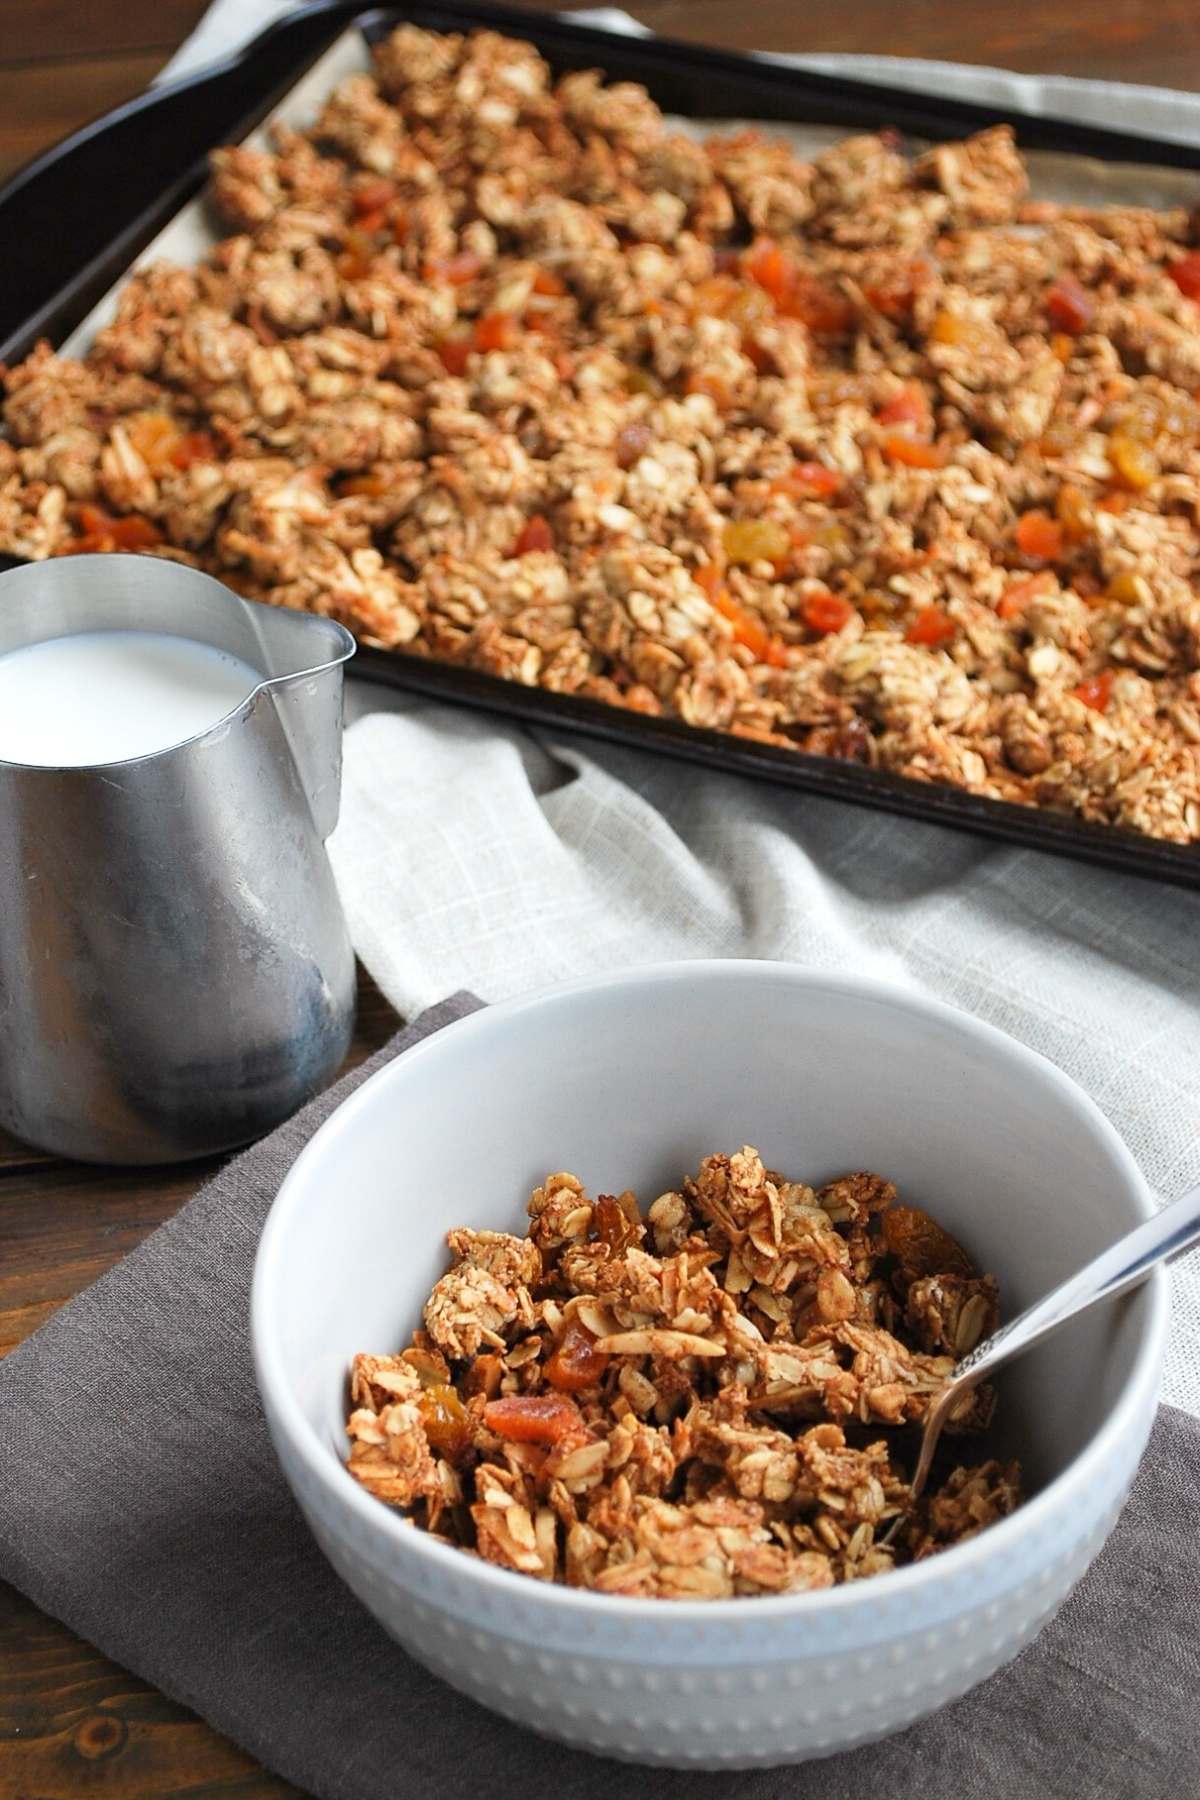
(140, 1502)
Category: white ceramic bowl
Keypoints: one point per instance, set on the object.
(629, 1081)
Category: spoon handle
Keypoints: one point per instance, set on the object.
(1113, 1272)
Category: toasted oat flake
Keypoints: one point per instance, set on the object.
(726, 1413)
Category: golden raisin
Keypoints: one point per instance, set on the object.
(1124, 589)
(755, 540)
(445, 1419)
(1133, 463)
(614, 1225)
(1073, 513)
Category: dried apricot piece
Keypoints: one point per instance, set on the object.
(495, 331)
(922, 1246)
(535, 534)
(749, 631)
(770, 266)
(1040, 536)
(1096, 691)
(807, 481)
(576, 1363)
(826, 612)
(931, 627)
(534, 1418)
(454, 352)
(1016, 598)
(910, 408)
(1186, 274)
(898, 447)
(1068, 305)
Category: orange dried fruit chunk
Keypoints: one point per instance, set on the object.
(826, 612)
(825, 312)
(576, 1363)
(534, 1418)
(1016, 597)
(454, 352)
(1068, 305)
(1040, 536)
(750, 631)
(535, 535)
(495, 331)
(372, 195)
(547, 283)
(893, 293)
(770, 266)
(708, 578)
(910, 407)
(1186, 274)
(931, 627)
(100, 530)
(194, 447)
(922, 1246)
(950, 328)
(1096, 691)
(898, 447)
(808, 481)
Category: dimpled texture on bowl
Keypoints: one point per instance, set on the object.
(629, 1081)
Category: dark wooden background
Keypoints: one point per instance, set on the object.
(71, 1722)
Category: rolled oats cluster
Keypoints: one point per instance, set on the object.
(715, 1399)
(872, 456)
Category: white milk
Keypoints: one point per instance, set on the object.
(107, 696)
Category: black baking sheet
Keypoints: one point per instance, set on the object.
(78, 216)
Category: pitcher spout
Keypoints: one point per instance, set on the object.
(302, 657)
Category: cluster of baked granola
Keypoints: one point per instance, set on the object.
(869, 455)
(688, 1405)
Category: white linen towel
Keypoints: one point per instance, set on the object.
(473, 854)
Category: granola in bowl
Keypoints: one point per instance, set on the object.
(714, 1399)
(872, 455)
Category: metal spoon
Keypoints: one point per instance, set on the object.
(1115, 1270)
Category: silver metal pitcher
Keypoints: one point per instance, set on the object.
(175, 971)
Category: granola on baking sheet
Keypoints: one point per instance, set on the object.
(711, 1400)
(873, 456)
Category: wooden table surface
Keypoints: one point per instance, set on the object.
(70, 1721)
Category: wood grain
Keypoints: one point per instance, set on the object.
(71, 1722)
(42, 102)
(65, 30)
